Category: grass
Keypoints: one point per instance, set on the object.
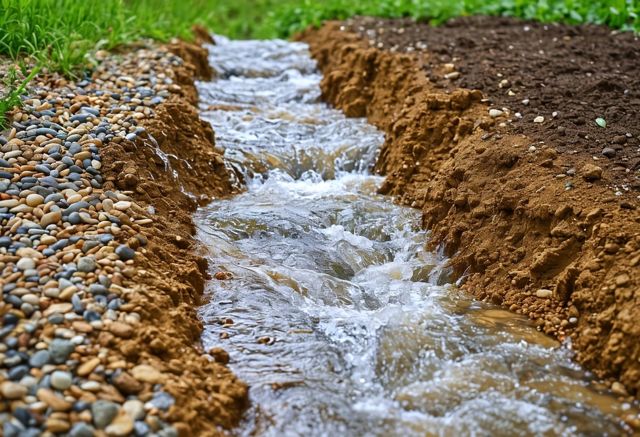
(14, 88)
(61, 35)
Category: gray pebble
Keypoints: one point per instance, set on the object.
(86, 264)
(61, 380)
(60, 350)
(125, 252)
(40, 358)
(103, 413)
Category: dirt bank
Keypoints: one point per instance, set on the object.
(535, 214)
(169, 274)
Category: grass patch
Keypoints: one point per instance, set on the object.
(60, 34)
(14, 88)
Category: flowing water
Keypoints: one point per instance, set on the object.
(336, 315)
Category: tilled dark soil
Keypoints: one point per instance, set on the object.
(569, 75)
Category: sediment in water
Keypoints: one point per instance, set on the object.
(568, 259)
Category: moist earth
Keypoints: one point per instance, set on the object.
(535, 214)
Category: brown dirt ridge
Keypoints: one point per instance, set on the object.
(490, 130)
(170, 276)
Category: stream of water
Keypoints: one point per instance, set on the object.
(336, 316)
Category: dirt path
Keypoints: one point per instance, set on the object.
(536, 214)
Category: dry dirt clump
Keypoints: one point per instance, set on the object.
(529, 227)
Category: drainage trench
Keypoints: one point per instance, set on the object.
(336, 315)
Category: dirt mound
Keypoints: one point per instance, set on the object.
(528, 225)
(176, 156)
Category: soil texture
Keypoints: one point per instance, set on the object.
(530, 218)
(169, 276)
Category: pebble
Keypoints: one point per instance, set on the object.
(40, 358)
(544, 293)
(539, 119)
(55, 402)
(12, 390)
(60, 350)
(61, 380)
(601, 122)
(134, 408)
(609, 152)
(591, 172)
(81, 429)
(87, 264)
(103, 412)
(34, 199)
(146, 373)
(121, 426)
(26, 264)
(494, 113)
(125, 252)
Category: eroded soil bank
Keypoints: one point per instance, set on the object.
(491, 130)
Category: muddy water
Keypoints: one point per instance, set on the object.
(338, 318)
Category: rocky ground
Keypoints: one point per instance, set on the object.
(520, 143)
(99, 278)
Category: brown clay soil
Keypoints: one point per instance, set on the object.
(532, 214)
(169, 277)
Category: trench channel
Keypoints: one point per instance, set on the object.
(336, 315)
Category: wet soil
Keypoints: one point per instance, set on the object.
(543, 229)
(169, 277)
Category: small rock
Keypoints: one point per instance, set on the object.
(81, 429)
(609, 152)
(87, 264)
(601, 122)
(619, 389)
(50, 218)
(127, 384)
(125, 252)
(622, 280)
(61, 380)
(544, 293)
(121, 426)
(55, 402)
(134, 408)
(88, 366)
(146, 373)
(40, 358)
(34, 200)
(60, 350)
(539, 119)
(494, 113)
(103, 413)
(591, 172)
(161, 400)
(26, 264)
(13, 390)
(57, 426)
(120, 329)
(219, 354)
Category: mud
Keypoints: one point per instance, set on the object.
(176, 157)
(543, 229)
